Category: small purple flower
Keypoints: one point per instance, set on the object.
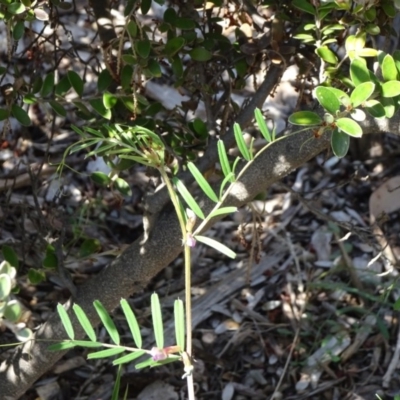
(158, 354)
(190, 240)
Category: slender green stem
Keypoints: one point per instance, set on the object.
(187, 254)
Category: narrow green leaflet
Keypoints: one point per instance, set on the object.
(84, 321)
(349, 126)
(222, 211)
(361, 93)
(132, 322)
(157, 320)
(66, 321)
(205, 186)
(229, 178)
(129, 357)
(216, 245)
(223, 158)
(107, 322)
(189, 199)
(69, 344)
(106, 353)
(117, 385)
(179, 315)
(327, 99)
(305, 118)
(340, 142)
(241, 143)
(262, 125)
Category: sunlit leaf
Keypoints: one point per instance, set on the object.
(222, 211)
(391, 89)
(361, 93)
(216, 245)
(327, 99)
(223, 158)
(129, 357)
(262, 125)
(305, 118)
(84, 321)
(156, 315)
(389, 70)
(349, 126)
(107, 322)
(189, 199)
(132, 322)
(202, 182)
(66, 321)
(106, 353)
(241, 142)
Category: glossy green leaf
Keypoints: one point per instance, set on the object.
(63, 87)
(132, 28)
(107, 322)
(174, 45)
(16, 8)
(305, 118)
(123, 187)
(361, 93)
(327, 99)
(5, 286)
(129, 357)
(156, 316)
(10, 255)
(200, 54)
(104, 80)
(374, 108)
(340, 143)
(359, 72)
(327, 55)
(58, 108)
(143, 48)
(389, 70)
(343, 97)
(132, 323)
(240, 142)
(145, 6)
(100, 178)
(76, 82)
(222, 211)
(35, 276)
(367, 52)
(18, 30)
(189, 199)
(106, 353)
(216, 245)
(262, 125)
(84, 321)
(223, 159)
(20, 115)
(48, 85)
(98, 106)
(391, 89)
(349, 126)
(179, 318)
(154, 67)
(66, 321)
(109, 100)
(202, 182)
(304, 5)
